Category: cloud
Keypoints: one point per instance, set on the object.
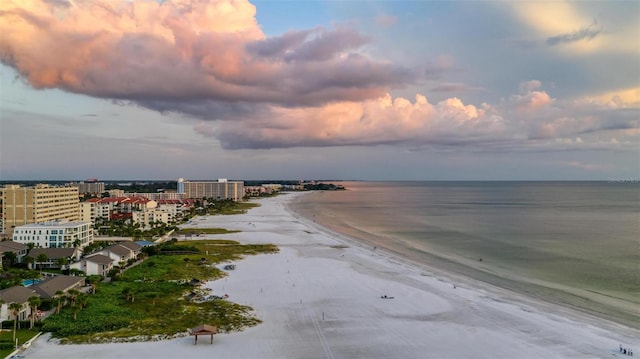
(317, 87)
(455, 87)
(175, 51)
(586, 33)
(436, 68)
(386, 21)
(529, 119)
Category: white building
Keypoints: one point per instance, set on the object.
(96, 264)
(55, 234)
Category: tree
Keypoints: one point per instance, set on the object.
(28, 261)
(79, 303)
(59, 296)
(8, 258)
(72, 294)
(41, 258)
(15, 309)
(93, 280)
(128, 294)
(62, 262)
(34, 302)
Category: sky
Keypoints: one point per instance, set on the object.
(354, 90)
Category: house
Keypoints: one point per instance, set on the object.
(16, 294)
(96, 264)
(55, 256)
(119, 253)
(19, 249)
(133, 246)
(48, 287)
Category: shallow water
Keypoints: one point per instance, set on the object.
(572, 243)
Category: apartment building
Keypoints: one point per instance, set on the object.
(220, 189)
(41, 203)
(92, 186)
(55, 234)
(149, 216)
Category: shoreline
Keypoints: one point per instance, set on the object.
(321, 296)
(599, 306)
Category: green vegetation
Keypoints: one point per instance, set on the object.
(125, 228)
(7, 344)
(323, 187)
(221, 207)
(14, 276)
(196, 231)
(150, 300)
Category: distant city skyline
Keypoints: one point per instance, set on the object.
(353, 90)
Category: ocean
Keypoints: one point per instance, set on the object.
(575, 244)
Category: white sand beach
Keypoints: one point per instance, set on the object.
(320, 297)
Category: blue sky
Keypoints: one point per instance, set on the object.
(377, 90)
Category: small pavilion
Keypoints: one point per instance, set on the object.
(203, 329)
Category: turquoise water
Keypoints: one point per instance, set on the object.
(28, 282)
(571, 243)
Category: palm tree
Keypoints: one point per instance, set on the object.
(81, 302)
(15, 309)
(72, 294)
(34, 302)
(28, 261)
(41, 258)
(59, 295)
(62, 262)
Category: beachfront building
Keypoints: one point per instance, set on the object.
(91, 186)
(96, 264)
(48, 288)
(41, 203)
(55, 234)
(121, 252)
(16, 294)
(156, 196)
(220, 189)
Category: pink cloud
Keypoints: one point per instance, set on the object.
(389, 120)
(145, 51)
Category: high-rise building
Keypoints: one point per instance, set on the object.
(41, 203)
(220, 189)
(91, 186)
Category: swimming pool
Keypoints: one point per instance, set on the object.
(28, 282)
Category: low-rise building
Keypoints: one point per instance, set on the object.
(47, 288)
(16, 294)
(119, 253)
(56, 257)
(96, 264)
(55, 234)
(18, 249)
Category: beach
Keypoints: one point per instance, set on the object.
(327, 296)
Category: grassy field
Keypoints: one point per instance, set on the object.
(149, 301)
(7, 345)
